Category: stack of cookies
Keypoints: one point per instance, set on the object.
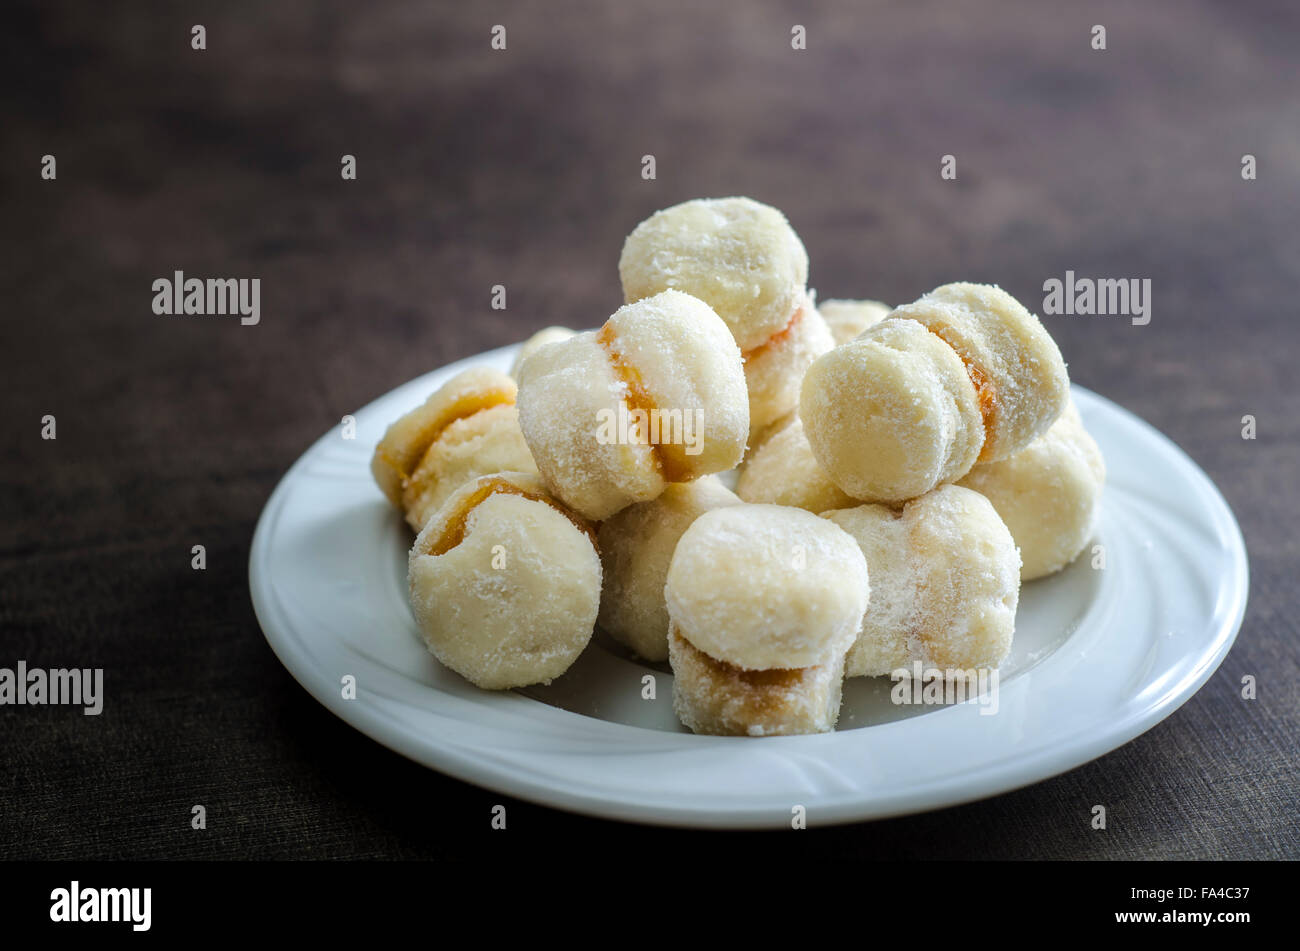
(899, 474)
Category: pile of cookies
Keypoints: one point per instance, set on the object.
(899, 474)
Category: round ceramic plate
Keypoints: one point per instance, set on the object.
(1101, 655)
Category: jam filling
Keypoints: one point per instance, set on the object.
(453, 533)
(775, 677)
(985, 390)
(666, 461)
(462, 409)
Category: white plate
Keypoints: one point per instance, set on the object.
(1100, 656)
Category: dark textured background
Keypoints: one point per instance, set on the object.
(522, 168)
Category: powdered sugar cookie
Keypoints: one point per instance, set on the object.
(657, 395)
(892, 413)
(763, 603)
(467, 428)
(945, 583)
(744, 260)
(505, 583)
(963, 375)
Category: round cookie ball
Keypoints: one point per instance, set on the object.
(569, 390)
(636, 546)
(657, 395)
(848, 318)
(892, 413)
(536, 342)
(677, 360)
(484, 442)
(504, 584)
(945, 583)
(407, 440)
(765, 586)
(1011, 359)
(968, 583)
(739, 256)
(775, 370)
(1048, 494)
(782, 470)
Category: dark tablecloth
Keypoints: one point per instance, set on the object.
(523, 167)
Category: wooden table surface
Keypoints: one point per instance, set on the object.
(523, 167)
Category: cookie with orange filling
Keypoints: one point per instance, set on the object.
(655, 396)
(743, 259)
(963, 375)
(504, 582)
(764, 602)
(467, 428)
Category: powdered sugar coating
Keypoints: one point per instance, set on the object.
(564, 390)
(485, 442)
(782, 470)
(945, 583)
(774, 371)
(405, 442)
(990, 330)
(687, 362)
(515, 601)
(968, 582)
(892, 413)
(572, 393)
(716, 698)
(766, 586)
(739, 256)
(883, 642)
(1049, 494)
(636, 547)
(848, 318)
